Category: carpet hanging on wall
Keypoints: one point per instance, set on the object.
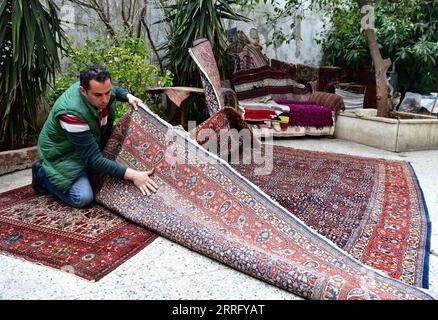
(205, 205)
(89, 242)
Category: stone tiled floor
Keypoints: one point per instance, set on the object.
(165, 270)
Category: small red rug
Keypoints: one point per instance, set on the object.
(89, 242)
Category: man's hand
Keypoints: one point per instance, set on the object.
(142, 180)
(133, 101)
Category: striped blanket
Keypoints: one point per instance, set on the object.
(264, 81)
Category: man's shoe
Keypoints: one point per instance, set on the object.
(36, 185)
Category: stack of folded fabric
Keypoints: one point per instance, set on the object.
(266, 118)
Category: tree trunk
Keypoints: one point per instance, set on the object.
(381, 67)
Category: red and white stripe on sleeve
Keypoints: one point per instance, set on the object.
(73, 124)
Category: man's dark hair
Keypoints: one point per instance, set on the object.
(94, 72)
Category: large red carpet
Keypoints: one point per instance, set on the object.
(372, 208)
(89, 243)
(205, 205)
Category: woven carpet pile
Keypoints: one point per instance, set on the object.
(89, 243)
(372, 208)
(205, 205)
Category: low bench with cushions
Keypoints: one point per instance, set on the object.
(267, 90)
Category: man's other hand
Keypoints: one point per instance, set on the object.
(133, 101)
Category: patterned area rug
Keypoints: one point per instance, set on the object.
(372, 208)
(89, 243)
(205, 205)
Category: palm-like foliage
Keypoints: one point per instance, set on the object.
(189, 20)
(30, 39)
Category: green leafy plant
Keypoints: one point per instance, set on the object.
(132, 14)
(127, 60)
(30, 43)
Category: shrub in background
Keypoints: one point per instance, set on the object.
(127, 60)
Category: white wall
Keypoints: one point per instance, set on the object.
(302, 50)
